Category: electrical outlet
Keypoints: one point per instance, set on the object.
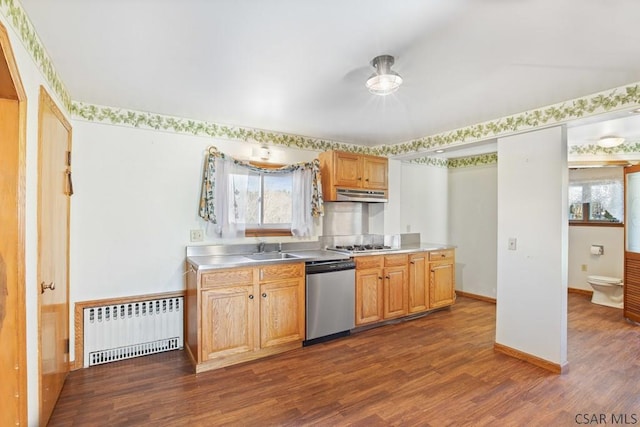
(196, 235)
(513, 243)
(583, 267)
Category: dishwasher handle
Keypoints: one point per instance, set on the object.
(328, 267)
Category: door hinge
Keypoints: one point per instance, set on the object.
(66, 346)
(69, 183)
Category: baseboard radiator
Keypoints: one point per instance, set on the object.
(122, 331)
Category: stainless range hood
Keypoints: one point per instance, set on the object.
(351, 195)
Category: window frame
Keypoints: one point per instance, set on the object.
(260, 231)
(586, 210)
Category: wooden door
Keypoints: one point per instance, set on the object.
(442, 284)
(228, 321)
(54, 190)
(418, 283)
(347, 170)
(631, 309)
(395, 292)
(369, 298)
(282, 312)
(13, 361)
(375, 172)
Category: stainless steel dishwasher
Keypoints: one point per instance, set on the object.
(331, 300)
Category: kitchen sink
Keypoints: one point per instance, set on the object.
(270, 256)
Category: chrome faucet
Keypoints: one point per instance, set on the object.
(260, 247)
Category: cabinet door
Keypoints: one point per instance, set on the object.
(369, 306)
(375, 172)
(442, 286)
(281, 312)
(227, 321)
(418, 283)
(395, 292)
(348, 170)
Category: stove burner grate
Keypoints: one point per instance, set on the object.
(362, 248)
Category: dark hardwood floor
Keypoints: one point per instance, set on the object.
(440, 370)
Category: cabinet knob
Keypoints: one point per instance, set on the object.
(379, 277)
(387, 277)
(367, 179)
(264, 295)
(250, 296)
(359, 178)
(412, 262)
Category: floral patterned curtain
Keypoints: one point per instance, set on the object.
(307, 187)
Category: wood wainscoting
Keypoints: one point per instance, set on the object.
(79, 318)
(579, 291)
(556, 368)
(476, 296)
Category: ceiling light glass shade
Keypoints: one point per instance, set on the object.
(384, 81)
(610, 141)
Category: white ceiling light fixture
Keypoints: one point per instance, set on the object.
(610, 141)
(384, 81)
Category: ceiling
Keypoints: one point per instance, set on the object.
(299, 66)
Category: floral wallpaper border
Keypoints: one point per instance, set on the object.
(591, 105)
(618, 98)
(430, 161)
(481, 160)
(595, 150)
(18, 19)
(139, 119)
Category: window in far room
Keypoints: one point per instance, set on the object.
(596, 196)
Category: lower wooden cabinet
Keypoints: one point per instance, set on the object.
(240, 314)
(418, 282)
(227, 321)
(442, 281)
(281, 312)
(442, 290)
(369, 291)
(397, 285)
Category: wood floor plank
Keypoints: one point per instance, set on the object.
(434, 371)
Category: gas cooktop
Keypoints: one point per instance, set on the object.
(360, 248)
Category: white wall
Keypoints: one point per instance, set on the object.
(473, 224)
(531, 313)
(610, 264)
(31, 80)
(424, 205)
(136, 198)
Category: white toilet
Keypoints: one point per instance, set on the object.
(606, 291)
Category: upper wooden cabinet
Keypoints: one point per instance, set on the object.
(342, 169)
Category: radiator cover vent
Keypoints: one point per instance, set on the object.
(122, 331)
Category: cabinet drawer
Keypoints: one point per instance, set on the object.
(235, 276)
(281, 271)
(366, 262)
(393, 260)
(441, 255)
